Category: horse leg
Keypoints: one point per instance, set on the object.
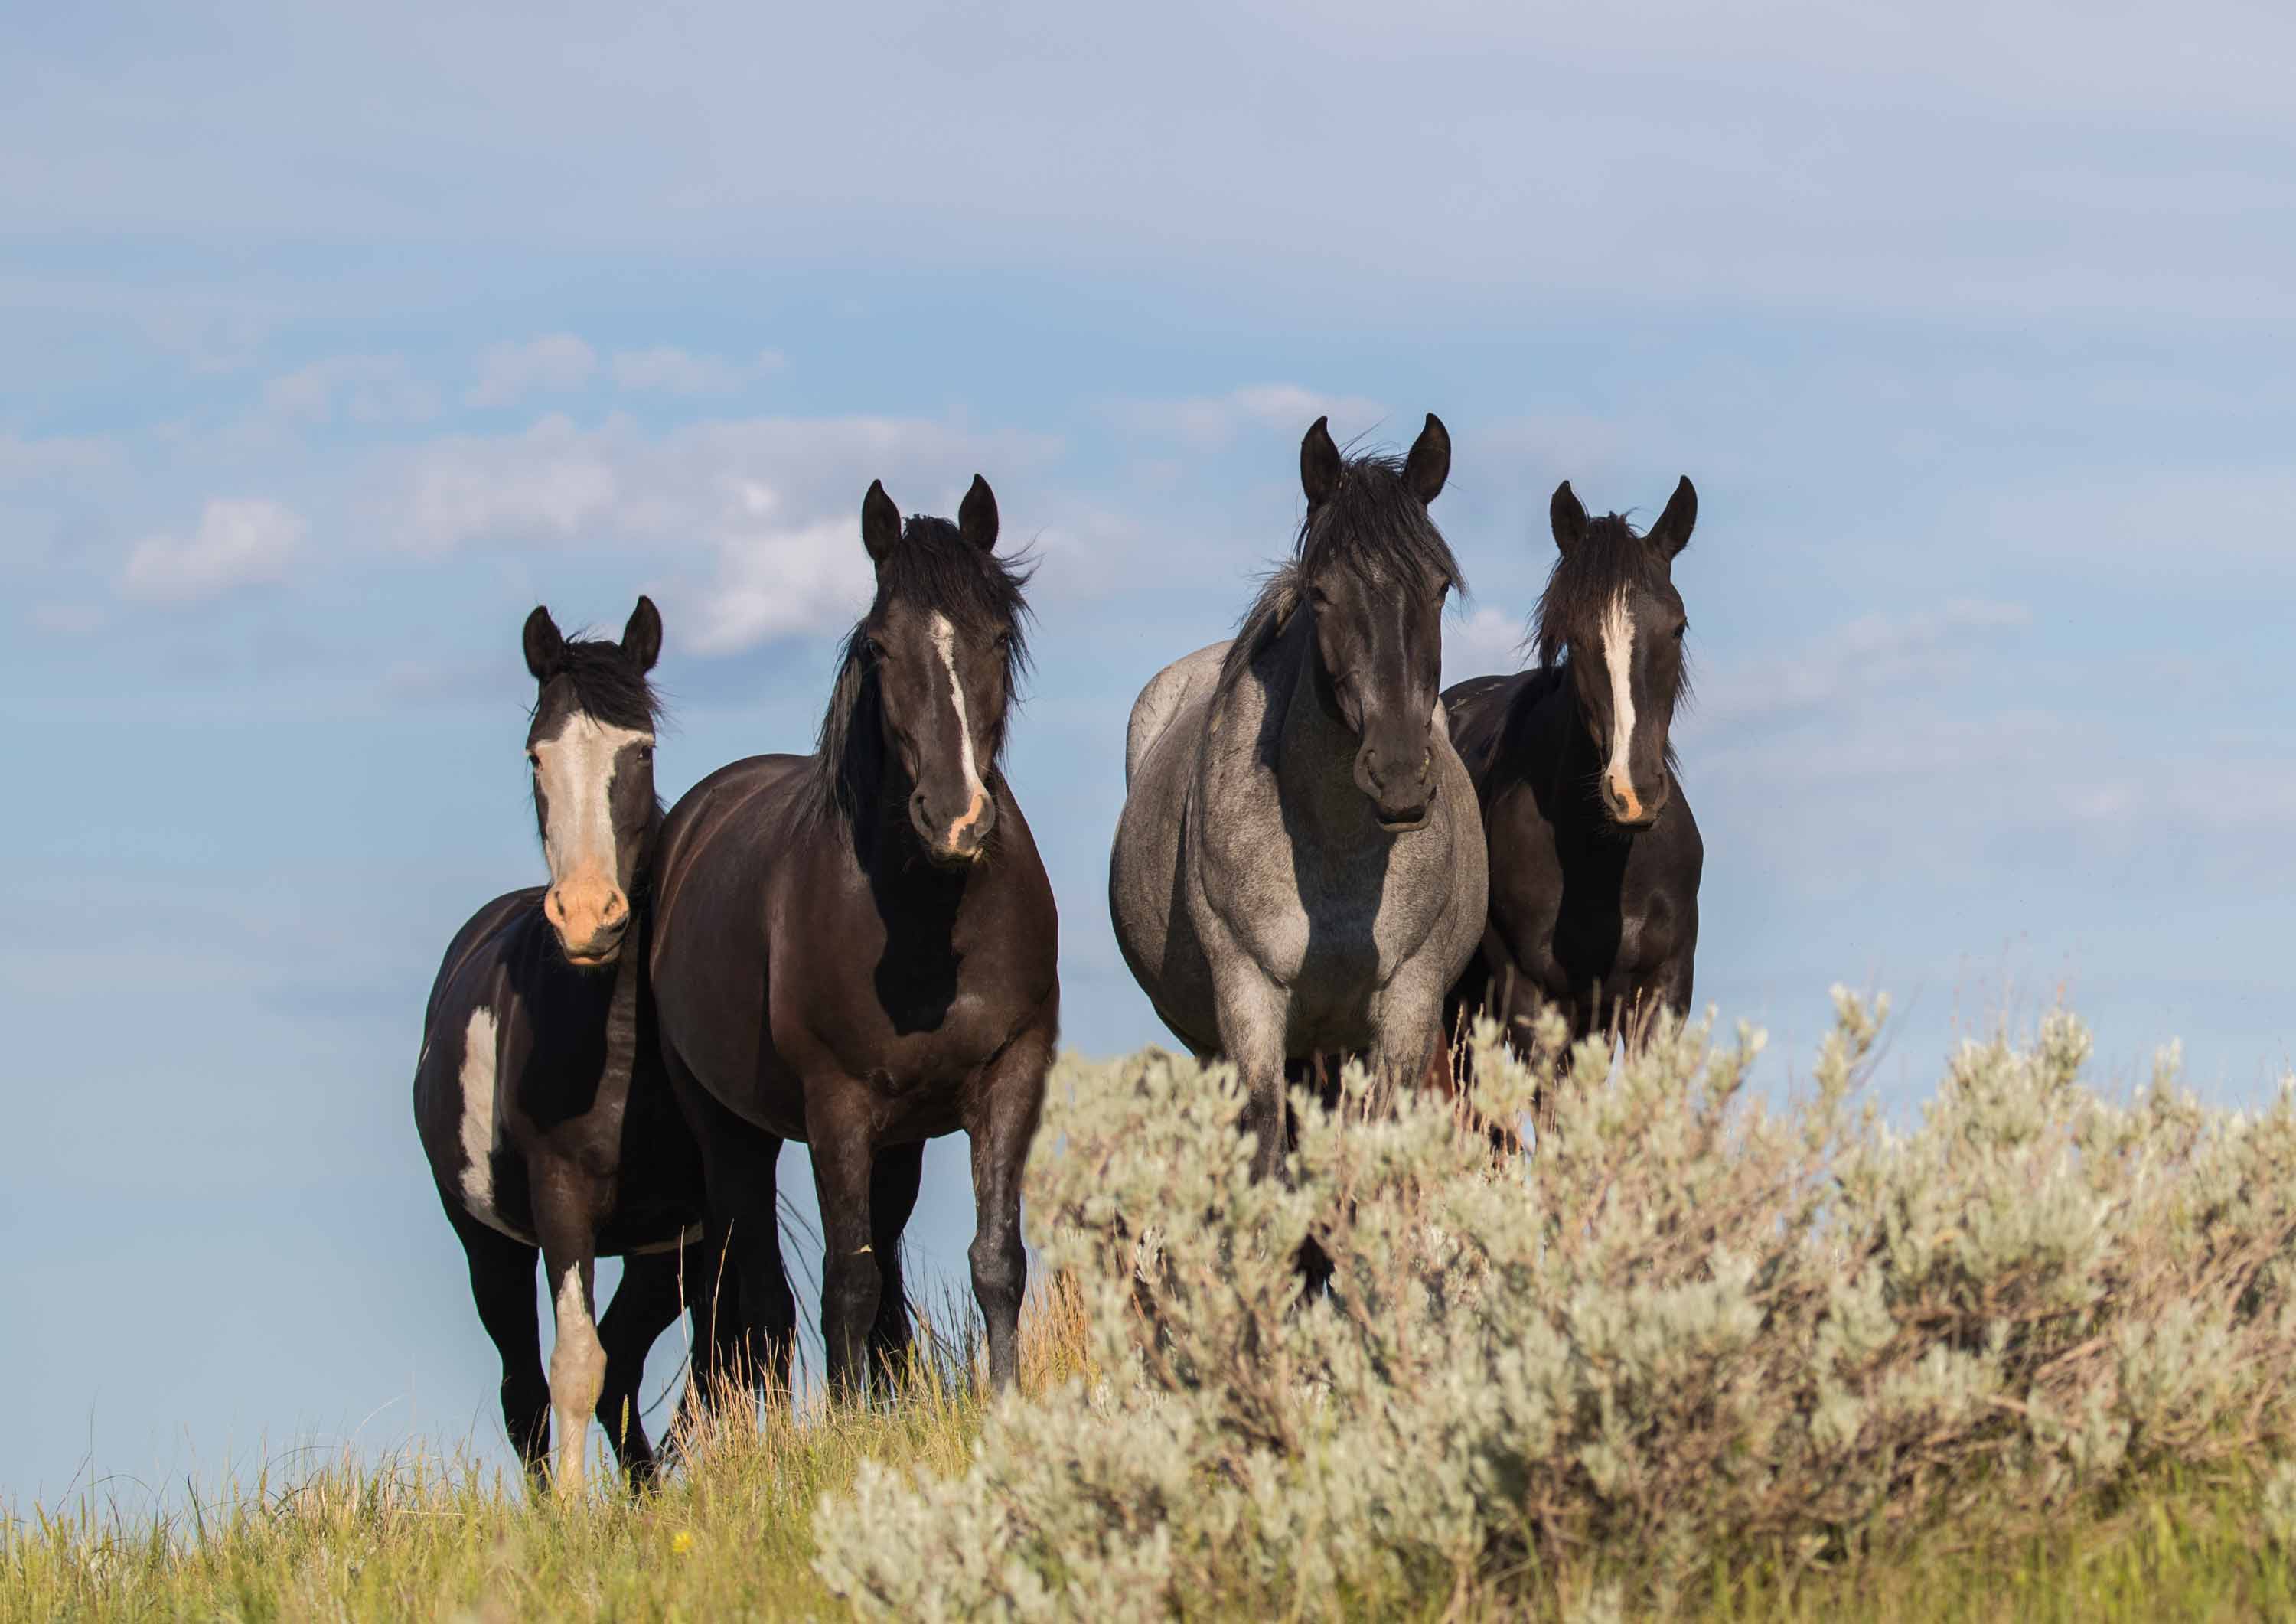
(1000, 1126)
(838, 1129)
(893, 1185)
(1318, 1073)
(1410, 1041)
(649, 1298)
(566, 1204)
(502, 1285)
(1252, 1022)
(752, 1330)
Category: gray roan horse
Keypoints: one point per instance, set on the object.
(1299, 869)
(858, 949)
(1595, 858)
(542, 1108)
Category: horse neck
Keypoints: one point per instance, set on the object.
(1550, 731)
(1315, 748)
(878, 835)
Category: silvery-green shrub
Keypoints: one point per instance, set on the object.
(1685, 1320)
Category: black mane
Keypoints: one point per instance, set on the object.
(1374, 525)
(608, 685)
(1609, 556)
(935, 569)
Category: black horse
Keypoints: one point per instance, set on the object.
(858, 950)
(1595, 857)
(539, 1096)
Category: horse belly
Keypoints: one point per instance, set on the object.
(1156, 931)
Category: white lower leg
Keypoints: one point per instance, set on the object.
(577, 1375)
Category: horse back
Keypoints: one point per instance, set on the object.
(1188, 681)
(1477, 713)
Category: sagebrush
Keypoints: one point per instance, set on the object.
(1685, 1325)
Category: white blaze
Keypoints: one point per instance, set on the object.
(576, 769)
(479, 1117)
(944, 639)
(1617, 655)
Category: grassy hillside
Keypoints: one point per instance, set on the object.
(2029, 1361)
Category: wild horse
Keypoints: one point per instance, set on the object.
(542, 1108)
(1299, 868)
(858, 950)
(1595, 857)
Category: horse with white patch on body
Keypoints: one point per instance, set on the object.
(539, 1097)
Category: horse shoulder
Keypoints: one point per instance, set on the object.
(463, 1080)
(1470, 859)
(483, 930)
(1525, 875)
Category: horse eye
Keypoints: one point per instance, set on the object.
(1681, 631)
(645, 752)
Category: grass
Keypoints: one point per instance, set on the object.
(733, 1540)
(419, 1536)
(2173, 1549)
(732, 1537)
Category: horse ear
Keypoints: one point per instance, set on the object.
(977, 518)
(1430, 462)
(543, 646)
(642, 638)
(1319, 462)
(1568, 515)
(881, 522)
(1671, 533)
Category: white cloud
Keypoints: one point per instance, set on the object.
(1485, 641)
(66, 619)
(667, 370)
(774, 582)
(1211, 423)
(550, 483)
(239, 542)
(509, 373)
(26, 461)
(749, 529)
(365, 388)
(2168, 527)
(1872, 654)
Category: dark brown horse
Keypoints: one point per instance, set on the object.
(858, 949)
(540, 1101)
(1595, 857)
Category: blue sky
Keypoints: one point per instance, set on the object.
(329, 346)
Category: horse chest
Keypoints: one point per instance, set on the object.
(1324, 918)
(1580, 915)
(930, 1008)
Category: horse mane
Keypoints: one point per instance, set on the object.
(607, 686)
(1372, 524)
(936, 569)
(1610, 556)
